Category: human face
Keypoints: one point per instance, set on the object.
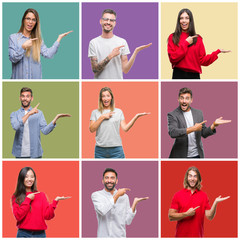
(29, 22)
(192, 179)
(29, 180)
(109, 181)
(185, 101)
(26, 98)
(184, 22)
(106, 99)
(108, 25)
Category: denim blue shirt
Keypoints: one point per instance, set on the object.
(24, 67)
(36, 123)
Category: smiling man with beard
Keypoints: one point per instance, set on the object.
(187, 126)
(112, 207)
(28, 122)
(190, 205)
(108, 52)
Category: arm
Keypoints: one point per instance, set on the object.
(126, 126)
(45, 129)
(127, 65)
(177, 53)
(49, 52)
(136, 201)
(94, 125)
(16, 121)
(21, 211)
(173, 129)
(60, 115)
(15, 52)
(102, 204)
(210, 214)
(219, 121)
(48, 209)
(174, 215)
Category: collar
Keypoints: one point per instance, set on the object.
(106, 192)
(189, 191)
(22, 109)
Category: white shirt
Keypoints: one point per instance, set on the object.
(26, 140)
(112, 218)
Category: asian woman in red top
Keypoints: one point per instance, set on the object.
(31, 207)
(186, 50)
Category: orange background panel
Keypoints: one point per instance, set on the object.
(142, 139)
(218, 178)
(54, 179)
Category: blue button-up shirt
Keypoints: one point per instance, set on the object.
(36, 123)
(24, 67)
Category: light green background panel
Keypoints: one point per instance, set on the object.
(55, 18)
(217, 24)
(54, 98)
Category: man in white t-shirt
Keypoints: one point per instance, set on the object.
(186, 125)
(108, 52)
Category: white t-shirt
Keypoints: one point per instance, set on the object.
(192, 145)
(107, 134)
(26, 140)
(101, 47)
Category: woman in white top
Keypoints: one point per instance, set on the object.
(106, 121)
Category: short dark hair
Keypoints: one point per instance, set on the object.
(185, 90)
(109, 11)
(109, 170)
(26, 89)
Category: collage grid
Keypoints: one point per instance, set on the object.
(68, 167)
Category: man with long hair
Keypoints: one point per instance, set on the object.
(108, 52)
(28, 122)
(187, 126)
(112, 207)
(190, 205)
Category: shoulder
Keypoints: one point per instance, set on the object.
(118, 110)
(175, 112)
(95, 39)
(97, 194)
(119, 39)
(16, 112)
(179, 193)
(196, 111)
(203, 194)
(95, 111)
(199, 37)
(14, 35)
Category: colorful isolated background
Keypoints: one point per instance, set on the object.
(54, 179)
(55, 19)
(54, 98)
(218, 178)
(217, 33)
(141, 141)
(141, 177)
(215, 101)
(137, 23)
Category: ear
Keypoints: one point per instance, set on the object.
(117, 181)
(32, 99)
(102, 182)
(100, 21)
(192, 100)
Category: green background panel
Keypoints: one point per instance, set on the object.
(54, 98)
(55, 18)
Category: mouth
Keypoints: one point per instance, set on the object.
(184, 25)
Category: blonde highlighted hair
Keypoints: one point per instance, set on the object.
(36, 33)
(185, 182)
(100, 103)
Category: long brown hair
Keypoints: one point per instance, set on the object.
(100, 103)
(36, 33)
(185, 182)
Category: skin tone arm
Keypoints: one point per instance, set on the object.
(211, 213)
(62, 36)
(127, 65)
(32, 196)
(122, 191)
(190, 41)
(126, 126)
(94, 125)
(198, 126)
(174, 215)
(35, 110)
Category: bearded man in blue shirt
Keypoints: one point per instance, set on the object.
(28, 122)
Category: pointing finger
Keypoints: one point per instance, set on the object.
(33, 39)
(196, 207)
(194, 36)
(37, 105)
(36, 193)
(203, 122)
(121, 46)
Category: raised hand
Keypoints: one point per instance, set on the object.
(60, 36)
(191, 211)
(220, 199)
(225, 51)
(60, 115)
(32, 195)
(34, 110)
(115, 52)
(198, 126)
(61, 198)
(142, 114)
(190, 39)
(140, 48)
(220, 121)
(108, 115)
(137, 200)
(28, 43)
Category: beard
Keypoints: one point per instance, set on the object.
(110, 188)
(26, 105)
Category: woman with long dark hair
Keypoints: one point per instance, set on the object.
(186, 50)
(26, 46)
(31, 207)
(106, 122)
